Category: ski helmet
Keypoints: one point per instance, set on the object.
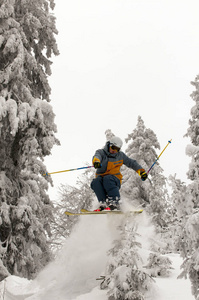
(116, 141)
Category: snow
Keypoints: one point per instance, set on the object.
(83, 258)
(172, 288)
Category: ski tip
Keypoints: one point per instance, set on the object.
(69, 213)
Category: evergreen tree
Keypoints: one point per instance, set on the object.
(109, 134)
(125, 277)
(189, 235)
(142, 145)
(26, 132)
(178, 213)
(158, 265)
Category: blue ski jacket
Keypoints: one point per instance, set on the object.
(111, 163)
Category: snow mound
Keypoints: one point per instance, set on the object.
(82, 259)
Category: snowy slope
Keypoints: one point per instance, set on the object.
(83, 258)
(173, 288)
(165, 288)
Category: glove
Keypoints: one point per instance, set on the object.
(96, 163)
(143, 175)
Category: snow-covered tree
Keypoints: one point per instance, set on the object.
(178, 199)
(109, 134)
(158, 265)
(189, 236)
(26, 132)
(125, 277)
(142, 145)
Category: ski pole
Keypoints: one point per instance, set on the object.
(169, 142)
(46, 174)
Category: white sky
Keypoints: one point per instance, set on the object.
(120, 59)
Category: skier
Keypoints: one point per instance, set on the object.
(108, 162)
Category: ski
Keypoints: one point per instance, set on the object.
(103, 212)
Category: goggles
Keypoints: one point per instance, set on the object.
(115, 148)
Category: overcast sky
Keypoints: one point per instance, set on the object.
(120, 59)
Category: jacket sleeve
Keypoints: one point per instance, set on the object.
(131, 163)
(97, 156)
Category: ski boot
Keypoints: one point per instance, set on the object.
(101, 207)
(112, 204)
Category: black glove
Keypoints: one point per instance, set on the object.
(97, 165)
(143, 175)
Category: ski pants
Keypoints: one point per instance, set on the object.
(106, 187)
